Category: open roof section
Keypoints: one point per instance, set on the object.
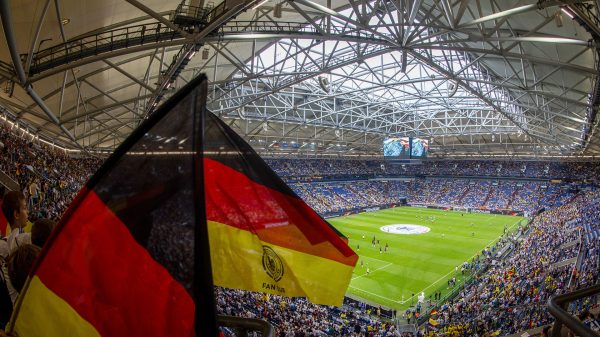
(427, 79)
(482, 77)
(382, 90)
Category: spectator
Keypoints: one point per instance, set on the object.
(34, 193)
(20, 263)
(15, 210)
(41, 230)
(546, 331)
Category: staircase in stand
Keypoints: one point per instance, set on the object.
(487, 197)
(7, 181)
(512, 198)
(464, 194)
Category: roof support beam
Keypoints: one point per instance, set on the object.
(158, 17)
(518, 10)
(477, 94)
(128, 75)
(7, 25)
(34, 41)
(95, 112)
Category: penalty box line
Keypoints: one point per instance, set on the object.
(374, 270)
(376, 295)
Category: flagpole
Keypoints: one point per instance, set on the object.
(204, 296)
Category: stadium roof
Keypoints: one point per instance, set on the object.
(477, 78)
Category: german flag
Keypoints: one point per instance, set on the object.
(131, 256)
(125, 259)
(259, 228)
(432, 324)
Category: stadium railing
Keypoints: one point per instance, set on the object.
(558, 305)
(243, 326)
(9, 182)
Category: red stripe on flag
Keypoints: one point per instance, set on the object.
(235, 200)
(98, 268)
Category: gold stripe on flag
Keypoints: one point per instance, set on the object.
(241, 260)
(34, 319)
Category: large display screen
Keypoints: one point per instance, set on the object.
(396, 147)
(405, 147)
(419, 147)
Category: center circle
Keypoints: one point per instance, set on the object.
(405, 229)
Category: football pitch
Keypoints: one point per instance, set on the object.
(414, 262)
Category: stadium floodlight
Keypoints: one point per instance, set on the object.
(452, 88)
(324, 83)
(260, 4)
(566, 11)
(544, 39)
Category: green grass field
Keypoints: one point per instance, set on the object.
(419, 262)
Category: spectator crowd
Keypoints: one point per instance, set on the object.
(512, 295)
(298, 169)
(560, 251)
(49, 178)
(335, 197)
(506, 297)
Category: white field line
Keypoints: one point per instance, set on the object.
(374, 270)
(432, 284)
(372, 258)
(376, 295)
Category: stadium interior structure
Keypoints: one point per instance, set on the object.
(504, 94)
